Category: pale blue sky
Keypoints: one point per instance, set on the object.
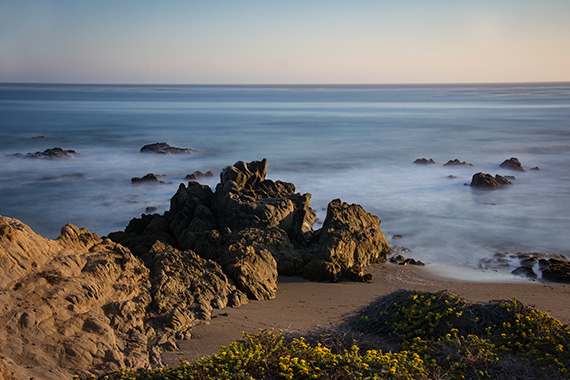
(310, 41)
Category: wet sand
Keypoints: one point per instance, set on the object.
(301, 305)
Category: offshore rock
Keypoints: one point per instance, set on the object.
(53, 153)
(512, 163)
(164, 148)
(457, 162)
(424, 161)
(485, 180)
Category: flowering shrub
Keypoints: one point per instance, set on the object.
(434, 335)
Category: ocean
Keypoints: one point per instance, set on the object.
(353, 142)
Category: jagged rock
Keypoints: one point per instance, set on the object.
(349, 240)
(485, 180)
(456, 162)
(186, 287)
(512, 163)
(424, 161)
(255, 227)
(164, 148)
(53, 153)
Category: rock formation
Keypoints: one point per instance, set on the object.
(81, 305)
(164, 148)
(52, 153)
(256, 228)
(512, 163)
(457, 162)
(485, 180)
(424, 161)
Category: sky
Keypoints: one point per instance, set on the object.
(289, 42)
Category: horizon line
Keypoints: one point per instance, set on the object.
(280, 84)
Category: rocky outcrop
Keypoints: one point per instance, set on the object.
(53, 153)
(484, 180)
(74, 305)
(255, 228)
(82, 305)
(164, 148)
(512, 163)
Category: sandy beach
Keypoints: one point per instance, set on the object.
(301, 305)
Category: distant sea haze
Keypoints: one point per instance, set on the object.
(354, 142)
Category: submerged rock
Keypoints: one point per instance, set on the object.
(485, 180)
(164, 148)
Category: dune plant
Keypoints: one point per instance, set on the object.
(424, 336)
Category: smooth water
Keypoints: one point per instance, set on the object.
(357, 143)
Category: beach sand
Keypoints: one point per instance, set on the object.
(301, 305)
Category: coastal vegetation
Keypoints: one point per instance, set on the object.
(405, 335)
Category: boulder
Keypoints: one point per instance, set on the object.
(164, 148)
(557, 271)
(512, 163)
(349, 240)
(525, 271)
(484, 180)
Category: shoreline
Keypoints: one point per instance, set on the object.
(301, 305)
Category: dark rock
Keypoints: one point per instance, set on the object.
(512, 163)
(53, 153)
(151, 209)
(485, 180)
(529, 260)
(198, 174)
(525, 271)
(424, 161)
(557, 271)
(456, 162)
(164, 148)
(401, 260)
(149, 178)
(535, 168)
